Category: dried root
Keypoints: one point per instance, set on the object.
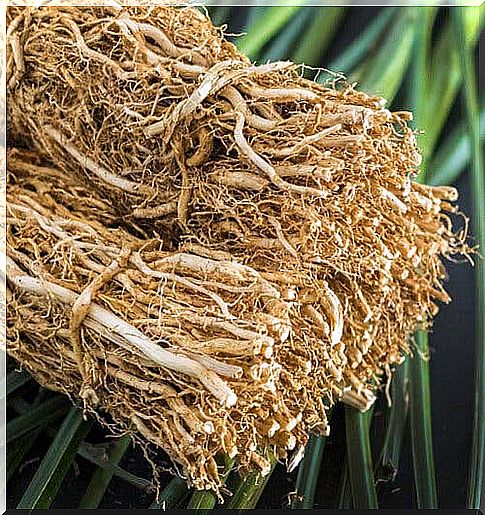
(254, 239)
(176, 345)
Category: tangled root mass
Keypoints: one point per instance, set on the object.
(217, 250)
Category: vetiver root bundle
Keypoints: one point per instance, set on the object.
(178, 345)
(260, 225)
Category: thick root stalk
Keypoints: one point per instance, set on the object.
(134, 338)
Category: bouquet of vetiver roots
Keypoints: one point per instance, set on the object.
(205, 252)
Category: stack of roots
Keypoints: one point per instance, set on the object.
(207, 251)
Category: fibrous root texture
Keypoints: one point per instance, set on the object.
(210, 251)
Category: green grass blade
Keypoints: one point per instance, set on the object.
(470, 98)
(102, 477)
(445, 78)
(319, 35)
(40, 416)
(202, 500)
(421, 431)
(364, 43)
(420, 401)
(419, 78)
(384, 73)
(396, 425)
(266, 26)
(46, 482)
(344, 496)
(88, 452)
(452, 157)
(15, 380)
(172, 495)
(17, 451)
(359, 458)
(306, 481)
(281, 46)
(206, 499)
(255, 11)
(249, 491)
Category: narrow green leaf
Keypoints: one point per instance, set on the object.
(202, 500)
(172, 495)
(15, 380)
(46, 482)
(397, 416)
(419, 77)
(44, 414)
(318, 36)
(420, 402)
(281, 46)
(265, 27)
(255, 11)
(249, 491)
(453, 155)
(306, 481)
(359, 458)
(207, 499)
(89, 453)
(445, 78)
(421, 431)
(364, 43)
(470, 101)
(308, 472)
(344, 496)
(384, 73)
(18, 450)
(102, 477)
